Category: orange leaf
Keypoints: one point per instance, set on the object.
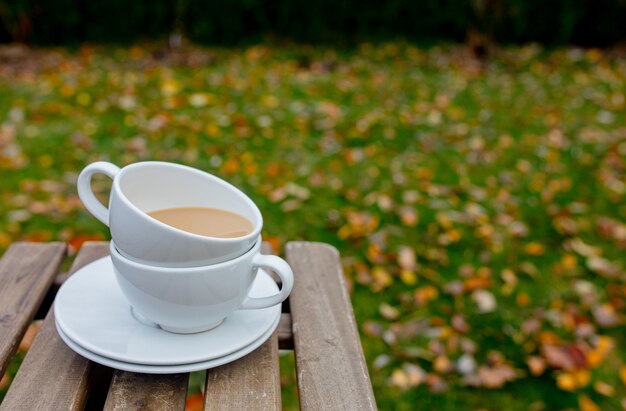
(424, 294)
(523, 299)
(475, 283)
(586, 404)
(536, 365)
(31, 332)
(195, 402)
(534, 248)
(4, 381)
(275, 243)
(77, 241)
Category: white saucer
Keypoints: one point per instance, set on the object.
(92, 312)
(167, 369)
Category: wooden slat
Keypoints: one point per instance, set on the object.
(331, 369)
(250, 383)
(26, 272)
(285, 333)
(52, 376)
(132, 391)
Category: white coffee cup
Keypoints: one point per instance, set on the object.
(195, 299)
(143, 187)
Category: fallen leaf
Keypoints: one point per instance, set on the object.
(406, 258)
(5, 380)
(536, 365)
(485, 301)
(603, 388)
(31, 332)
(535, 249)
(602, 266)
(442, 364)
(565, 357)
(194, 402)
(388, 312)
(586, 404)
(435, 383)
(605, 315)
(566, 381)
(425, 294)
(476, 283)
(466, 364)
(496, 376)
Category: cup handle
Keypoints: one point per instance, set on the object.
(280, 267)
(85, 193)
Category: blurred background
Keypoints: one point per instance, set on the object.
(467, 158)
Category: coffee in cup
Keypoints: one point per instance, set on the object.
(211, 222)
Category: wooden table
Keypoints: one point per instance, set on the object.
(317, 323)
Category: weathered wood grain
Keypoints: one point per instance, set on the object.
(52, 376)
(133, 391)
(331, 369)
(250, 383)
(26, 272)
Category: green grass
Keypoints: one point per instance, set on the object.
(501, 179)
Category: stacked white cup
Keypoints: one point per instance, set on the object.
(182, 281)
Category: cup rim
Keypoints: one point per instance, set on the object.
(228, 240)
(115, 254)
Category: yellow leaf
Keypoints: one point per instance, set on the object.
(344, 232)
(454, 235)
(408, 277)
(381, 278)
(83, 99)
(212, 129)
(604, 344)
(270, 101)
(566, 381)
(594, 358)
(170, 87)
(444, 220)
(582, 376)
(586, 404)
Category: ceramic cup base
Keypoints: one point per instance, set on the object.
(143, 320)
(194, 330)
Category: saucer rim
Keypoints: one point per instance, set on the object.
(167, 369)
(274, 313)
